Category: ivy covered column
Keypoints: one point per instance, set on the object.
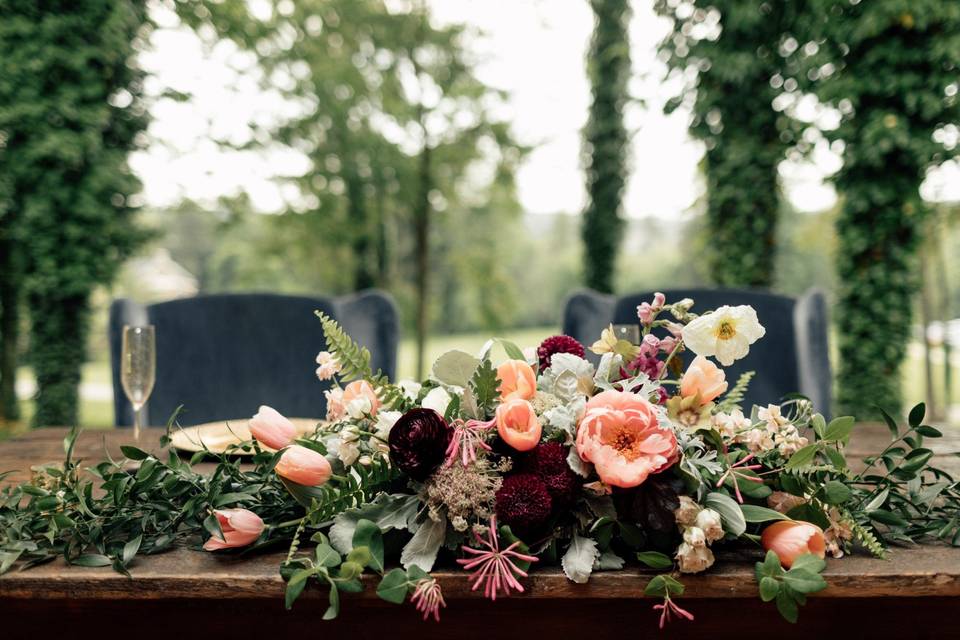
(892, 69)
(605, 141)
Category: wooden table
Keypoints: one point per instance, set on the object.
(916, 593)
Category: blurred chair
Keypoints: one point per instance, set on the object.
(221, 356)
(793, 356)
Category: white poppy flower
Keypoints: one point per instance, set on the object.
(727, 333)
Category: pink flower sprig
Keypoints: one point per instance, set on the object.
(495, 567)
(736, 470)
(467, 438)
(428, 598)
(668, 608)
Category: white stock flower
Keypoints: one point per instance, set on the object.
(359, 407)
(437, 399)
(385, 422)
(411, 389)
(694, 536)
(686, 513)
(731, 425)
(709, 521)
(329, 365)
(694, 559)
(727, 333)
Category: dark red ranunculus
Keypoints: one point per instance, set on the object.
(558, 344)
(418, 442)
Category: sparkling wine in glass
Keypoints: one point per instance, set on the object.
(628, 332)
(139, 365)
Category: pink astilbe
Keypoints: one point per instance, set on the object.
(467, 438)
(495, 567)
(670, 607)
(428, 598)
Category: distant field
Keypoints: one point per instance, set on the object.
(96, 409)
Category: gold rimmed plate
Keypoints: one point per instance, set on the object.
(225, 435)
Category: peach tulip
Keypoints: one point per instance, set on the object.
(621, 435)
(304, 466)
(790, 539)
(240, 527)
(705, 378)
(517, 424)
(271, 429)
(517, 380)
(360, 390)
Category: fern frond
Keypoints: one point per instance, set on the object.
(864, 536)
(355, 364)
(735, 396)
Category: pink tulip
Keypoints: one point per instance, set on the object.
(240, 527)
(790, 539)
(517, 424)
(303, 466)
(271, 429)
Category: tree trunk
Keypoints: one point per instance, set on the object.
(9, 334)
(58, 351)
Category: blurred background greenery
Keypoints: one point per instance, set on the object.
(406, 159)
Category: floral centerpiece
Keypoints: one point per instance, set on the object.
(499, 464)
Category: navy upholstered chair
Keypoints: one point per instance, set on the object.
(792, 357)
(221, 356)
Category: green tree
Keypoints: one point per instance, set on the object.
(605, 141)
(70, 113)
(727, 53)
(891, 68)
(11, 288)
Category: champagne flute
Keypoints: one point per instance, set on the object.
(138, 369)
(628, 332)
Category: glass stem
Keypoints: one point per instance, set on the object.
(138, 421)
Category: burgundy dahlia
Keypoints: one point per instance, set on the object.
(418, 442)
(548, 460)
(558, 344)
(523, 502)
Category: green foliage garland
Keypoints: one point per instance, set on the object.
(605, 141)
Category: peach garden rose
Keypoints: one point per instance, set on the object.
(621, 436)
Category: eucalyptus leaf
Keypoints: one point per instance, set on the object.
(455, 368)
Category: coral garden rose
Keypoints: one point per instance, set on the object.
(303, 466)
(240, 527)
(360, 398)
(517, 424)
(517, 380)
(620, 434)
(272, 429)
(418, 442)
(790, 539)
(705, 378)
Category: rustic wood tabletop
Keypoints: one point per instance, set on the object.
(913, 593)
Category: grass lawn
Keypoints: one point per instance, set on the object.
(96, 408)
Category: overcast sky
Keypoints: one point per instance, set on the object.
(533, 49)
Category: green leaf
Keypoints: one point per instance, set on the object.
(836, 492)
(393, 586)
(838, 430)
(663, 585)
(212, 525)
(819, 425)
(754, 513)
(804, 581)
(455, 368)
(886, 517)
(512, 350)
(730, 514)
(655, 560)
(334, 609)
(877, 501)
(836, 458)
(769, 588)
(916, 460)
(130, 549)
(787, 606)
(770, 567)
(483, 385)
(327, 556)
(133, 452)
(929, 432)
(809, 562)
(578, 560)
(92, 560)
(891, 423)
(367, 534)
(803, 457)
(916, 415)
(295, 586)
